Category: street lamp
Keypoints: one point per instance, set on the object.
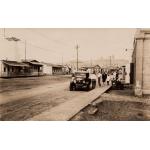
(16, 40)
(12, 39)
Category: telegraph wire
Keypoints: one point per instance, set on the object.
(48, 38)
(23, 41)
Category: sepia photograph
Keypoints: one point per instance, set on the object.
(74, 74)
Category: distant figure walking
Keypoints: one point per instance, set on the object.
(114, 75)
(117, 75)
(104, 77)
(112, 78)
(99, 75)
(108, 79)
(93, 79)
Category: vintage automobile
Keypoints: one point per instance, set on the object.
(81, 81)
(118, 84)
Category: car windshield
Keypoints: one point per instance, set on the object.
(80, 75)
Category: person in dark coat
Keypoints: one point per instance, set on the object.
(104, 77)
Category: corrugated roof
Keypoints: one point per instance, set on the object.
(36, 63)
(58, 66)
(48, 64)
(15, 63)
(33, 62)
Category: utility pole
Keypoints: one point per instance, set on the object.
(91, 62)
(62, 60)
(4, 33)
(110, 61)
(77, 48)
(25, 50)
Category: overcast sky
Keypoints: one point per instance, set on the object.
(50, 45)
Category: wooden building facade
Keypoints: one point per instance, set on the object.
(10, 69)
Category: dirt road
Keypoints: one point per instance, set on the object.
(23, 98)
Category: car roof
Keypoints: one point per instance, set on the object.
(81, 72)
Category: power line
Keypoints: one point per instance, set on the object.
(24, 41)
(44, 36)
(25, 50)
(28, 43)
(48, 38)
(38, 47)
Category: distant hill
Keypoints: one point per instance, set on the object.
(101, 62)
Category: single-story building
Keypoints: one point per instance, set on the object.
(35, 67)
(47, 68)
(57, 69)
(89, 69)
(12, 68)
(96, 68)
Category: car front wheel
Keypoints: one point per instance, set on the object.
(72, 87)
(93, 84)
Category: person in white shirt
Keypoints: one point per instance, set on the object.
(99, 75)
(93, 79)
(114, 75)
(112, 78)
(108, 79)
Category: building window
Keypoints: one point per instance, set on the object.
(4, 69)
(19, 69)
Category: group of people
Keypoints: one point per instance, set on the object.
(103, 78)
(106, 78)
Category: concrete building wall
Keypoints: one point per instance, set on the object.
(139, 65)
(0, 68)
(141, 60)
(146, 66)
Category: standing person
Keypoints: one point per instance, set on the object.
(108, 79)
(112, 78)
(99, 75)
(117, 75)
(114, 75)
(93, 79)
(104, 77)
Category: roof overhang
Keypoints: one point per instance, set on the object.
(36, 63)
(15, 64)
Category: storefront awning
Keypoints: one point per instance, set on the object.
(15, 63)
